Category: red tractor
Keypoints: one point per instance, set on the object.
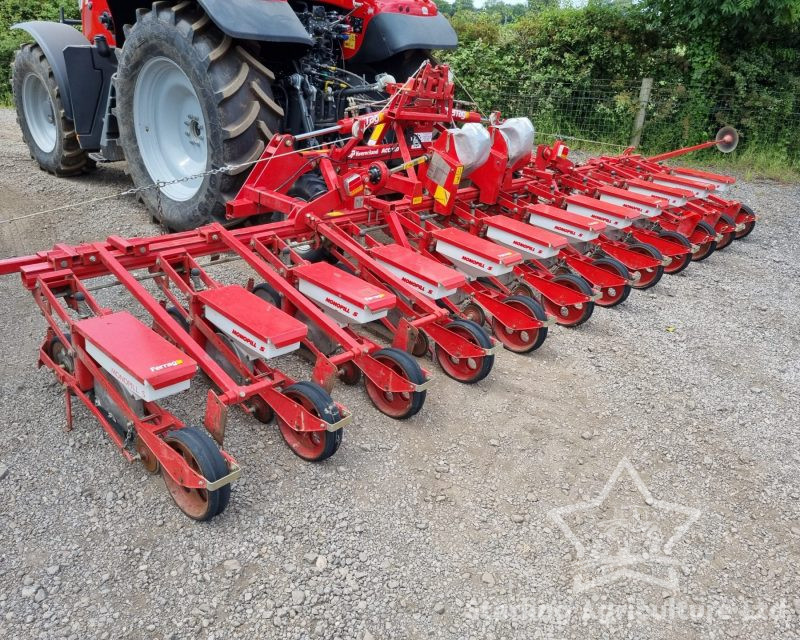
(189, 92)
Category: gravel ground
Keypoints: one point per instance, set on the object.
(443, 526)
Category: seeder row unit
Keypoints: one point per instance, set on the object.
(418, 230)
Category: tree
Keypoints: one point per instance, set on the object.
(543, 5)
(14, 11)
(733, 41)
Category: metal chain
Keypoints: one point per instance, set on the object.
(159, 185)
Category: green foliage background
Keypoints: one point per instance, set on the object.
(13, 11)
(578, 69)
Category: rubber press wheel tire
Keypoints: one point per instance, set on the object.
(190, 99)
(399, 406)
(728, 237)
(201, 454)
(49, 134)
(679, 263)
(649, 278)
(573, 316)
(312, 446)
(466, 370)
(522, 341)
(748, 229)
(707, 247)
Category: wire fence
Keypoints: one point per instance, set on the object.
(604, 113)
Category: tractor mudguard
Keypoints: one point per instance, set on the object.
(270, 20)
(391, 33)
(53, 38)
(90, 70)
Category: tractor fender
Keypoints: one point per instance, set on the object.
(391, 33)
(268, 20)
(53, 38)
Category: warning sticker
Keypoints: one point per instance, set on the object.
(438, 169)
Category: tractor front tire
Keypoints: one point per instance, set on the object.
(49, 134)
(191, 100)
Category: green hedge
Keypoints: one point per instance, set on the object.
(578, 71)
(13, 11)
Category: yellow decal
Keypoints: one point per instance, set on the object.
(335, 214)
(350, 43)
(416, 200)
(376, 133)
(459, 171)
(441, 195)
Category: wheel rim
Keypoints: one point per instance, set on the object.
(463, 369)
(307, 444)
(705, 241)
(646, 276)
(261, 410)
(522, 290)
(60, 355)
(392, 404)
(421, 346)
(566, 315)
(349, 373)
(39, 113)
(727, 236)
(678, 263)
(749, 223)
(148, 460)
(611, 295)
(170, 128)
(193, 502)
(518, 341)
(474, 313)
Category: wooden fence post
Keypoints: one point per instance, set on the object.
(644, 99)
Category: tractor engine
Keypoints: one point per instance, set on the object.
(316, 89)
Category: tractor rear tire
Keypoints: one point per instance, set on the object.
(49, 134)
(190, 100)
